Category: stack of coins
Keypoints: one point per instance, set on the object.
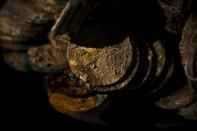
(24, 27)
(184, 25)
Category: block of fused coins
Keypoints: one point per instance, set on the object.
(88, 54)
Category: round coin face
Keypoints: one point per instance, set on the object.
(100, 66)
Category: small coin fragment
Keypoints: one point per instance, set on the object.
(59, 86)
(64, 104)
(178, 99)
(161, 69)
(161, 56)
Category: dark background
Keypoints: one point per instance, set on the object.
(24, 99)
(25, 103)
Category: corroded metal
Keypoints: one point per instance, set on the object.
(178, 99)
(188, 49)
(62, 86)
(87, 57)
(100, 66)
(13, 23)
(47, 59)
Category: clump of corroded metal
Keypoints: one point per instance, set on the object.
(46, 58)
(14, 22)
(22, 29)
(184, 99)
(43, 59)
(23, 35)
(94, 57)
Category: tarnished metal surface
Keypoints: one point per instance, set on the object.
(47, 59)
(178, 99)
(100, 66)
(62, 86)
(88, 57)
(188, 49)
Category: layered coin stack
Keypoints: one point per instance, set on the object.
(24, 27)
(182, 22)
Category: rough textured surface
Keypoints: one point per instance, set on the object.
(188, 40)
(100, 66)
(45, 58)
(30, 12)
(178, 99)
(15, 30)
(127, 78)
(107, 53)
(188, 49)
(21, 24)
(29, 23)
